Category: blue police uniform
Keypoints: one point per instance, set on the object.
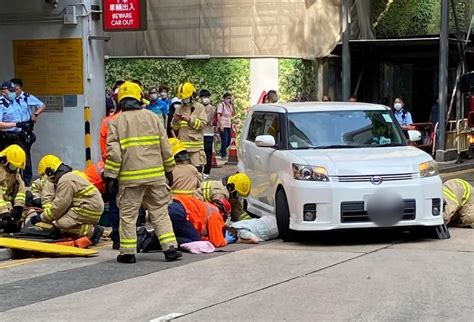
(27, 103)
(403, 117)
(10, 112)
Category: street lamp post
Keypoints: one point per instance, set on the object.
(443, 79)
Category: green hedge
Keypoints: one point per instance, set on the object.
(297, 76)
(217, 75)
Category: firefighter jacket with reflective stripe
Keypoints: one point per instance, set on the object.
(211, 190)
(457, 193)
(138, 151)
(37, 186)
(206, 218)
(73, 192)
(95, 175)
(12, 190)
(191, 133)
(186, 179)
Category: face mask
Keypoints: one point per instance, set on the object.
(154, 96)
(205, 100)
(164, 95)
(186, 101)
(397, 106)
(227, 100)
(11, 96)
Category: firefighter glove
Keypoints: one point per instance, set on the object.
(112, 185)
(230, 238)
(35, 219)
(17, 212)
(169, 177)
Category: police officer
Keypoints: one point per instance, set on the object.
(11, 123)
(30, 108)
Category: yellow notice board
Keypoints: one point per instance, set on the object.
(50, 66)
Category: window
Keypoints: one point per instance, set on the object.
(257, 125)
(264, 124)
(271, 126)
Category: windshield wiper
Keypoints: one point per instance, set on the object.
(339, 146)
(390, 144)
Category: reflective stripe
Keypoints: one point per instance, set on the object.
(450, 195)
(139, 141)
(206, 190)
(169, 162)
(183, 192)
(197, 124)
(244, 216)
(193, 144)
(20, 196)
(84, 192)
(141, 174)
(128, 243)
(48, 213)
(84, 230)
(112, 165)
(87, 213)
(167, 238)
(47, 205)
(3, 203)
(183, 124)
(467, 191)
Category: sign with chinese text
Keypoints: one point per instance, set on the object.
(124, 15)
(50, 67)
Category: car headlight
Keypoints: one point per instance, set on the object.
(309, 172)
(428, 169)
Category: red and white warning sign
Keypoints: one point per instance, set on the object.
(124, 15)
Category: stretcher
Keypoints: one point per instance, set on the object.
(44, 247)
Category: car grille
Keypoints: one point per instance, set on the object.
(366, 178)
(353, 211)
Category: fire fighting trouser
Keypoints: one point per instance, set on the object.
(467, 213)
(197, 158)
(71, 223)
(183, 229)
(154, 197)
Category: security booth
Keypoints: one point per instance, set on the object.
(56, 48)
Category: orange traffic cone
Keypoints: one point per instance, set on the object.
(214, 163)
(233, 159)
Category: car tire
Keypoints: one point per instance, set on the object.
(283, 217)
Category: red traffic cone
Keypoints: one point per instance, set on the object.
(233, 158)
(214, 163)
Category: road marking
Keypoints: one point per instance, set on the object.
(19, 262)
(167, 317)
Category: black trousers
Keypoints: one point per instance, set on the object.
(208, 140)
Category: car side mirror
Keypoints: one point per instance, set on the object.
(414, 136)
(265, 141)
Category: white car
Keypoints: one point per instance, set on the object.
(325, 166)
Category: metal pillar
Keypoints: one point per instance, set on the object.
(443, 78)
(346, 55)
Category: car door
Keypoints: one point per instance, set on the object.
(249, 152)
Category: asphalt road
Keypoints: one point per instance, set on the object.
(364, 275)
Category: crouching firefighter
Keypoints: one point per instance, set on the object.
(458, 203)
(71, 203)
(138, 162)
(12, 188)
(231, 188)
(186, 178)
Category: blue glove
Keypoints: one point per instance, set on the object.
(35, 219)
(230, 238)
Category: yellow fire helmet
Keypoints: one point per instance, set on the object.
(186, 90)
(48, 164)
(129, 90)
(241, 183)
(15, 156)
(176, 146)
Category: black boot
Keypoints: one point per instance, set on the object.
(172, 254)
(126, 258)
(98, 231)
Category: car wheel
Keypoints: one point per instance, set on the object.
(283, 217)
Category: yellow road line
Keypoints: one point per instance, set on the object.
(19, 262)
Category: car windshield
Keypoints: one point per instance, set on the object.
(343, 129)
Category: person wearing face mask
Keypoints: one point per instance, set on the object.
(12, 192)
(225, 111)
(402, 115)
(158, 106)
(11, 124)
(164, 90)
(189, 120)
(71, 203)
(205, 95)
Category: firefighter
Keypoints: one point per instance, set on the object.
(195, 220)
(71, 203)
(138, 161)
(189, 120)
(231, 188)
(186, 178)
(458, 203)
(12, 187)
